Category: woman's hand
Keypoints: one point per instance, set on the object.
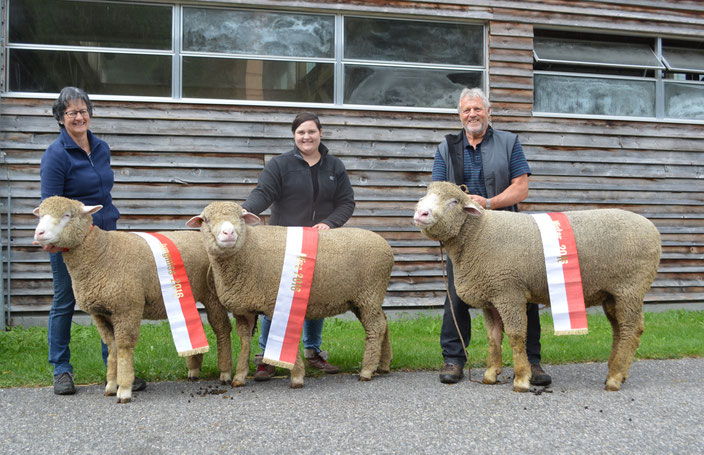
(50, 248)
(322, 227)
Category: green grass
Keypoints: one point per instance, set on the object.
(415, 343)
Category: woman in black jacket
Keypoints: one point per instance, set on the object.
(304, 187)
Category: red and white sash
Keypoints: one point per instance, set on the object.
(564, 279)
(292, 299)
(186, 325)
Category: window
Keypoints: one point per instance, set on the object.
(104, 48)
(583, 74)
(239, 54)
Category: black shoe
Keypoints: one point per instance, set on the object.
(539, 376)
(451, 373)
(137, 385)
(63, 384)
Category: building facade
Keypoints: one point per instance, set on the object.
(195, 96)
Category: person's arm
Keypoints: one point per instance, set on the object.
(52, 174)
(439, 167)
(516, 192)
(267, 191)
(344, 199)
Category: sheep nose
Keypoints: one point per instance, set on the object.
(421, 214)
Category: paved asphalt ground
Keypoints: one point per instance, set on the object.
(659, 410)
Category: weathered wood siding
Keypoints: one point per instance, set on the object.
(172, 159)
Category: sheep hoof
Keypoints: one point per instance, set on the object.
(364, 378)
(123, 400)
(612, 386)
(109, 393)
(488, 381)
(520, 389)
(237, 383)
(296, 385)
(225, 378)
(383, 370)
(193, 378)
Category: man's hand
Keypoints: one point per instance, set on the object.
(322, 227)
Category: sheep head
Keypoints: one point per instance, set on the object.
(63, 222)
(441, 213)
(223, 225)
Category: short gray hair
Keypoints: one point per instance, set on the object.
(472, 93)
(67, 95)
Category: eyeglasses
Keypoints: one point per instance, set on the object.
(73, 114)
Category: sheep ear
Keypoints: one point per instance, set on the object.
(195, 222)
(250, 218)
(91, 209)
(36, 211)
(471, 209)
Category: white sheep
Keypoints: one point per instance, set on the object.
(115, 281)
(352, 271)
(499, 265)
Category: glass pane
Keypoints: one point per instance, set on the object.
(585, 95)
(258, 32)
(684, 101)
(262, 80)
(414, 41)
(385, 86)
(680, 59)
(90, 24)
(595, 53)
(96, 73)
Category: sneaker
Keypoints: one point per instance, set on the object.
(318, 360)
(264, 371)
(451, 373)
(539, 376)
(63, 384)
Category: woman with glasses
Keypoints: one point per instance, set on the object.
(77, 166)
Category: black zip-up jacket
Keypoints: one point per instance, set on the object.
(285, 184)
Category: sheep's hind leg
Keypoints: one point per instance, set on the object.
(375, 327)
(494, 334)
(516, 330)
(629, 314)
(386, 354)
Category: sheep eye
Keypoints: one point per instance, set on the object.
(452, 202)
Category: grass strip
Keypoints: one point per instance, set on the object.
(415, 343)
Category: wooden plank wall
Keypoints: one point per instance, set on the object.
(171, 159)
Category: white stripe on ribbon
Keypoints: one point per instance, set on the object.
(174, 312)
(279, 320)
(554, 256)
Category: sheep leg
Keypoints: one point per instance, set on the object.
(386, 354)
(298, 372)
(375, 328)
(494, 334)
(108, 336)
(194, 363)
(126, 336)
(609, 311)
(243, 325)
(513, 315)
(629, 313)
(220, 322)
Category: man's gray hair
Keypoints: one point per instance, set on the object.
(472, 93)
(67, 95)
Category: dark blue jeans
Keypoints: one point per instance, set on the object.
(312, 333)
(60, 316)
(452, 350)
